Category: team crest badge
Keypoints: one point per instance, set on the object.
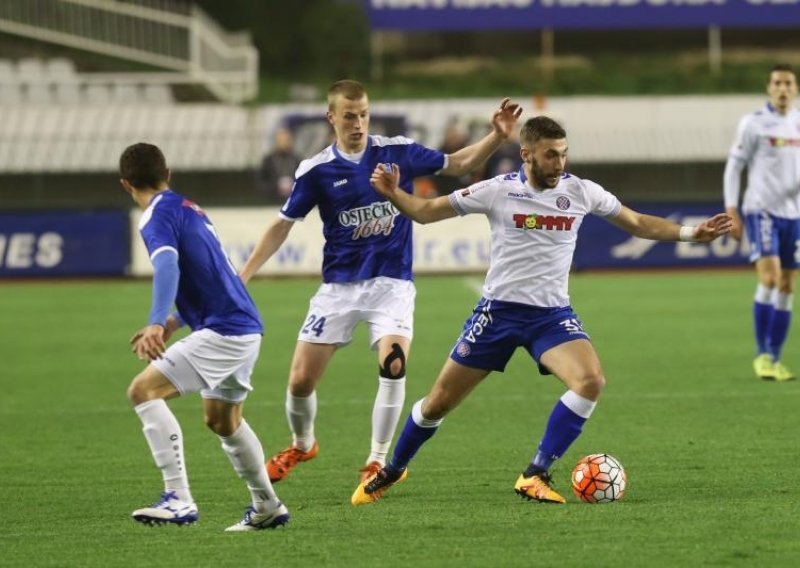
(463, 349)
(563, 203)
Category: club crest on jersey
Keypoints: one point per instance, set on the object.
(546, 222)
(563, 202)
(377, 218)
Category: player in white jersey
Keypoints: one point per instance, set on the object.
(366, 268)
(534, 216)
(768, 145)
(191, 270)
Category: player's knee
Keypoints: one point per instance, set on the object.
(394, 364)
(592, 383)
(219, 424)
(138, 392)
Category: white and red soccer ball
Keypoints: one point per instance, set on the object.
(599, 478)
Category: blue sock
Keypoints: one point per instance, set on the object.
(780, 329)
(563, 428)
(412, 438)
(763, 315)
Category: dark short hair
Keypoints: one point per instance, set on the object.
(143, 165)
(349, 89)
(539, 128)
(782, 67)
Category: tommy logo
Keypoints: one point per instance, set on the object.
(781, 142)
(549, 222)
(340, 182)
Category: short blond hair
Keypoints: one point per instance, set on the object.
(349, 89)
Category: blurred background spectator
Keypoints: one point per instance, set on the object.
(455, 138)
(276, 175)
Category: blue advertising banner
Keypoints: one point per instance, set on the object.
(579, 14)
(602, 245)
(64, 243)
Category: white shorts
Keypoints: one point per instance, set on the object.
(219, 366)
(385, 304)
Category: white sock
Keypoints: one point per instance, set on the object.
(385, 415)
(163, 434)
(301, 411)
(247, 457)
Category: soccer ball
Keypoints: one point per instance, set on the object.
(599, 478)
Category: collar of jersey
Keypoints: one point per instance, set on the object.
(363, 156)
(157, 195)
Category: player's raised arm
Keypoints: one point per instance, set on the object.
(270, 241)
(473, 156)
(420, 210)
(660, 229)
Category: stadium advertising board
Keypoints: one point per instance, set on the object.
(462, 244)
(64, 244)
(580, 14)
(457, 245)
(602, 245)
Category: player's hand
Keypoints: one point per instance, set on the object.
(505, 118)
(736, 229)
(149, 343)
(385, 178)
(718, 225)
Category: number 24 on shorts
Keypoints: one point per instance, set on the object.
(315, 324)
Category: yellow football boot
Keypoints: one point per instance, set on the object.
(537, 488)
(375, 486)
(764, 367)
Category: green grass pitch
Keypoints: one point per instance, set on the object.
(711, 452)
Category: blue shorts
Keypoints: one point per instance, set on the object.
(496, 328)
(773, 236)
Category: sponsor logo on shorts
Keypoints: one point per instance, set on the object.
(478, 325)
(465, 192)
(339, 182)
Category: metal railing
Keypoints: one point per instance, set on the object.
(177, 37)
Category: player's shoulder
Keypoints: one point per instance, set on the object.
(578, 185)
(323, 157)
(385, 141)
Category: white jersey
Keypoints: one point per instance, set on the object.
(534, 233)
(768, 143)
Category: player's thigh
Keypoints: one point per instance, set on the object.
(454, 383)
(577, 365)
(151, 384)
(308, 365)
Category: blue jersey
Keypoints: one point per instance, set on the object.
(210, 293)
(365, 235)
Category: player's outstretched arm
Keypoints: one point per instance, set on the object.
(270, 241)
(473, 156)
(660, 229)
(420, 210)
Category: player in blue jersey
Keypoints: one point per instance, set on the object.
(191, 271)
(366, 269)
(535, 215)
(768, 145)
